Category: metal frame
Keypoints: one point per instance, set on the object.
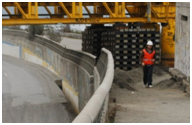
(72, 12)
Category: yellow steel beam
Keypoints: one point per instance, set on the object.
(36, 9)
(116, 7)
(161, 12)
(80, 9)
(29, 8)
(65, 9)
(47, 9)
(127, 9)
(166, 9)
(77, 9)
(7, 10)
(87, 10)
(84, 3)
(120, 9)
(20, 9)
(154, 12)
(15, 10)
(95, 9)
(55, 10)
(77, 21)
(108, 9)
(67, 3)
(73, 9)
(32, 10)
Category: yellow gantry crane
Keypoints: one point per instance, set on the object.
(96, 12)
(26, 13)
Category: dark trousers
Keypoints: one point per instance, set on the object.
(147, 74)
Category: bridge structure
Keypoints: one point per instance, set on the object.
(145, 13)
(150, 13)
(95, 12)
(84, 67)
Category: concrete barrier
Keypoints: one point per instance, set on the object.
(81, 74)
(93, 109)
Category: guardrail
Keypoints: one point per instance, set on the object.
(87, 81)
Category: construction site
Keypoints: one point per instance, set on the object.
(99, 72)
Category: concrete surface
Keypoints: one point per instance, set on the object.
(148, 105)
(30, 94)
(182, 37)
(75, 44)
(178, 76)
(71, 35)
(63, 62)
(11, 49)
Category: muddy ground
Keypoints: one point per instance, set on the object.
(130, 102)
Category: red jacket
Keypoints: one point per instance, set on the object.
(148, 58)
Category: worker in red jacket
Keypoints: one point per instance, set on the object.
(147, 58)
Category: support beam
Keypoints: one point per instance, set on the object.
(77, 21)
(127, 10)
(149, 12)
(123, 9)
(87, 10)
(108, 9)
(139, 11)
(29, 8)
(36, 9)
(7, 10)
(120, 9)
(77, 10)
(153, 11)
(166, 9)
(55, 10)
(20, 9)
(95, 9)
(47, 9)
(65, 9)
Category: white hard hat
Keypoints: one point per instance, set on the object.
(150, 43)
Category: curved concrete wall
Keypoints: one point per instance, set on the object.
(95, 110)
(80, 72)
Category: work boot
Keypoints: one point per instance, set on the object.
(150, 86)
(145, 86)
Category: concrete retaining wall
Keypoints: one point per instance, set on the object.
(15, 50)
(80, 77)
(96, 108)
(182, 38)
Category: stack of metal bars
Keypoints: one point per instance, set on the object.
(91, 39)
(129, 43)
(125, 43)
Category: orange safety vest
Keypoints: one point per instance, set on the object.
(148, 58)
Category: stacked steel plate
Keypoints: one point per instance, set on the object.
(125, 43)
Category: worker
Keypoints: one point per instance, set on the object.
(147, 59)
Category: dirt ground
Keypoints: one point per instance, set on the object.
(130, 102)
